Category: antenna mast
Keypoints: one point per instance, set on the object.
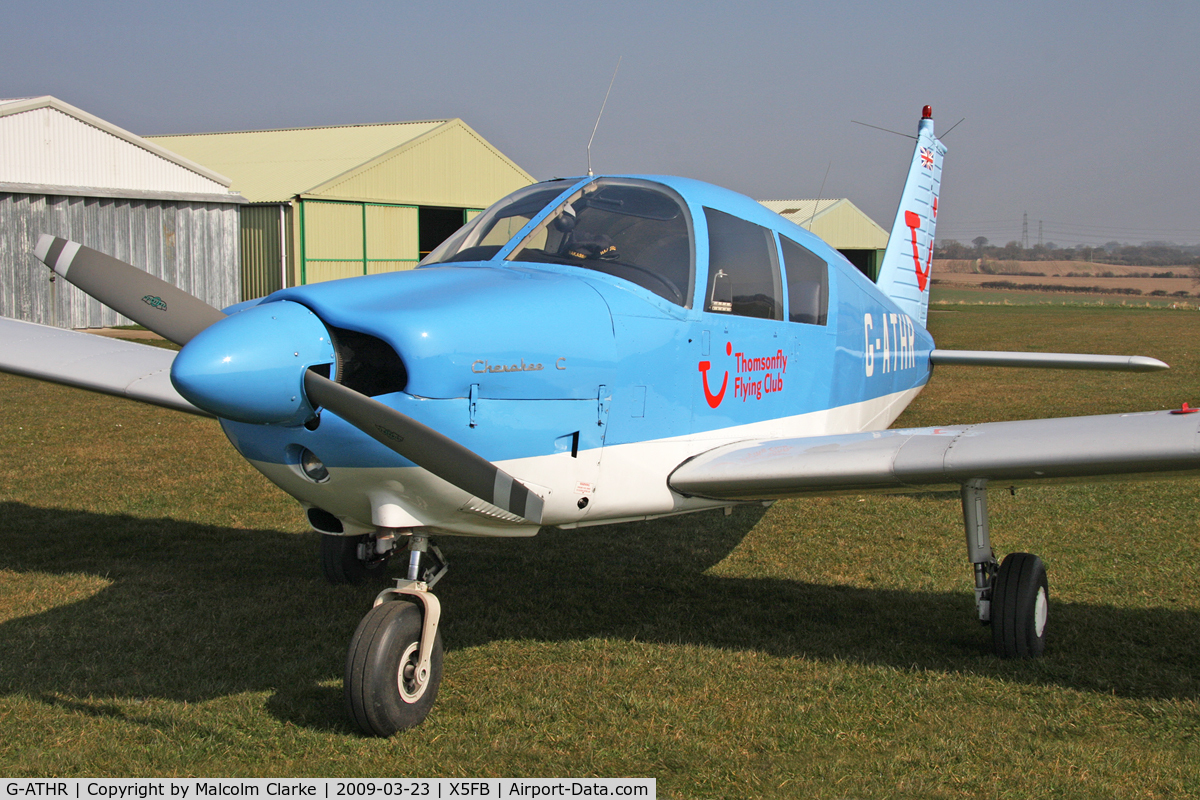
(819, 193)
(601, 114)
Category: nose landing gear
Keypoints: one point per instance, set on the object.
(394, 664)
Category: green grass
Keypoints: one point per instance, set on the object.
(161, 613)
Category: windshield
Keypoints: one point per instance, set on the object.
(482, 237)
(635, 230)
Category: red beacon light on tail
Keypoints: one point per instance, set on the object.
(927, 112)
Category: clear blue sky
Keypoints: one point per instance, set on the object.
(1083, 114)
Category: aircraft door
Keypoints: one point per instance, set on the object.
(746, 352)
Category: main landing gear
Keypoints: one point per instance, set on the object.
(394, 665)
(1012, 597)
(355, 559)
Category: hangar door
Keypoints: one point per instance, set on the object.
(345, 239)
(341, 240)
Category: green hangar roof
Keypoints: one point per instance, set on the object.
(839, 222)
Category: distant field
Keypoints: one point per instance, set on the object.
(941, 293)
(952, 275)
(161, 613)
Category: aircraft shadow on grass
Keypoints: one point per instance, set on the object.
(192, 612)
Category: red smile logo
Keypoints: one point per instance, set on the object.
(714, 400)
(913, 221)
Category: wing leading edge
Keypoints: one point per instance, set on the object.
(1126, 446)
(111, 366)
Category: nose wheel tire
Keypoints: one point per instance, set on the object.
(1020, 607)
(384, 694)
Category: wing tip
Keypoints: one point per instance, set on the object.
(1147, 364)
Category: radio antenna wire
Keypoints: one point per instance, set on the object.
(601, 114)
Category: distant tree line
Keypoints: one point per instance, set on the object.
(1058, 287)
(1148, 254)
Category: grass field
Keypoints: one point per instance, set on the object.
(161, 613)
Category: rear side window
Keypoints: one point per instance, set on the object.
(743, 268)
(807, 283)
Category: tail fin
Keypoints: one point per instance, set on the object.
(907, 262)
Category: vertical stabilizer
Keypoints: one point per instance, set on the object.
(908, 261)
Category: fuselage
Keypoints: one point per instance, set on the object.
(558, 357)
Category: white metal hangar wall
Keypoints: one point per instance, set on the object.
(67, 173)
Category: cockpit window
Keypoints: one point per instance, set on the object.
(635, 230)
(482, 237)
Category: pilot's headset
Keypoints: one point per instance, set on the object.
(565, 221)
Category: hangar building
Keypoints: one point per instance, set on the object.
(67, 173)
(334, 202)
(843, 225)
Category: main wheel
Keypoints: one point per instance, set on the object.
(383, 693)
(340, 562)
(1020, 607)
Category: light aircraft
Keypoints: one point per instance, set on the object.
(589, 351)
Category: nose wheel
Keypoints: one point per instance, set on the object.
(394, 665)
(387, 688)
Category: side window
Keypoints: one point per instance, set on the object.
(743, 269)
(808, 283)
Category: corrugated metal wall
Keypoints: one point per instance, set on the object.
(846, 227)
(263, 250)
(192, 245)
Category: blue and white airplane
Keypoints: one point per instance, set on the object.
(588, 351)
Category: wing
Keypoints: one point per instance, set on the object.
(1072, 448)
(111, 366)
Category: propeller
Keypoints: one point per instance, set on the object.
(153, 303)
(239, 370)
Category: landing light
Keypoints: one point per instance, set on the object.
(312, 467)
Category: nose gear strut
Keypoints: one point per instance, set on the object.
(394, 665)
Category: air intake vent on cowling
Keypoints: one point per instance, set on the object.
(367, 364)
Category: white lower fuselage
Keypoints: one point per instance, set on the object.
(620, 483)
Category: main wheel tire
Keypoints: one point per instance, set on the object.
(382, 696)
(340, 562)
(1020, 607)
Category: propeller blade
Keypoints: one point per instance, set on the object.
(425, 447)
(161, 307)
